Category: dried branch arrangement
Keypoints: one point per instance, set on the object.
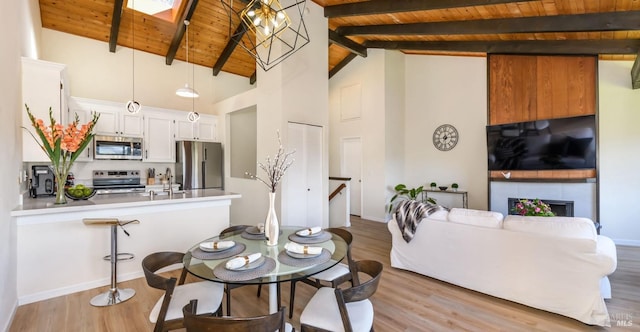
(276, 168)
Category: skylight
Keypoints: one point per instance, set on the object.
(150, 7)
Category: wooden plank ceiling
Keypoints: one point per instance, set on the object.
(610, 28)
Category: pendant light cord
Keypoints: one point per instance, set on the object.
(133, 53)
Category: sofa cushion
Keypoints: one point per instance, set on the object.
(568, 227)
(439, 215)
(480, 218)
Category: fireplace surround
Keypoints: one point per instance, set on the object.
(582, 194)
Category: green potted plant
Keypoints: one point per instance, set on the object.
(404, 193)
(433, 185)
(454, 187)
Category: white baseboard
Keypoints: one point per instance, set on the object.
(8, 322)
(35, 297)
(625, 242)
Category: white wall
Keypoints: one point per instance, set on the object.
(618, 152)
(96, 73)
(447, 90)
(11, 13)
(252, 207)
(404, 98)
(295, 90)
(369, 73)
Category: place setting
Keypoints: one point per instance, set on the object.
(246, 267)
(300, 255)
(310, 235)
(255, 232)
(217, 249)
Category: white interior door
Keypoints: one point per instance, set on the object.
(304, 199)
(351, 167)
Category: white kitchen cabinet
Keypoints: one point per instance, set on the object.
(77, 107)
(115, 120)
(158, 138)
(202, 130)
(43, 87)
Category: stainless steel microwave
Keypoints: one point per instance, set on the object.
(117, 147)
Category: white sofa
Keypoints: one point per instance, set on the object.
(557, 264)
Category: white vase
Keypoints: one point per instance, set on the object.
(271, 226)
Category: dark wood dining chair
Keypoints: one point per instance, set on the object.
(167, 312)
(233, 230)
(268, 323)
(335, 276)
(349, 309)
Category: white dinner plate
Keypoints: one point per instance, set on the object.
(208, 247)
(253, 230)
(297, 255)
(255, 264)
(302, 231)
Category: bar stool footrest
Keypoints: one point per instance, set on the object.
(121, 256)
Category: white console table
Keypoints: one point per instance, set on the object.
(427, 193)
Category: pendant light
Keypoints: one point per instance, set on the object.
(133, 106)
(187, 91)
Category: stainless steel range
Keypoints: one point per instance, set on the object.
(114, 182)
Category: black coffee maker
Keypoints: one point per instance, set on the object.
(42, 181)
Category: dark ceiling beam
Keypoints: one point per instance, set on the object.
(617, 46)
(609, 21)
(635, 73)
(228, 49)
(115, 25)
(342, 64)
(177, 36)
(347, 43)
(395, 6)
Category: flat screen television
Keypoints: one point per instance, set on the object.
(564, 143)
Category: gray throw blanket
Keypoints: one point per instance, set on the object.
(409, 213)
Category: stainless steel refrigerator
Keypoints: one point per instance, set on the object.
(199, 165)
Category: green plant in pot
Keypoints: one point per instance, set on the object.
(404, 193)
(454, 186)
(433, 185)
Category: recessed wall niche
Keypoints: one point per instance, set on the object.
(243, 142)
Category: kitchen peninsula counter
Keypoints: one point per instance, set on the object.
(45, 205)
(57, 254)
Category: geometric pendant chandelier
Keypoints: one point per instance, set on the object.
(269, 30)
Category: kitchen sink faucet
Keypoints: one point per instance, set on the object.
(170, 180)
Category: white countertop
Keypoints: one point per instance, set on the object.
(45, 205)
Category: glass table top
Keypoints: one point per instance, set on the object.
(203, 268)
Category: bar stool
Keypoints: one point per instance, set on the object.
(114, 295)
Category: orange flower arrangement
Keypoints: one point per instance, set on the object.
(62, 145)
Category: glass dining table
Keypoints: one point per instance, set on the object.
(277, 266)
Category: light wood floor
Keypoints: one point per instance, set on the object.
(405, 301)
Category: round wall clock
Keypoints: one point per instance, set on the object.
(445, 137)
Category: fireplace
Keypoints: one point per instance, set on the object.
(561, 208)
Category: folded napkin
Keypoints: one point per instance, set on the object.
(309, 231)
(217, 245)
(302, 249)
(241, 261)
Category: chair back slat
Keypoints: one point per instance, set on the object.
(156, 261)
(269, 323)
(237, 229)
(365, 289)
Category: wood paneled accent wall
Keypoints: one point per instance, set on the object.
(538, 87)
(529, 87)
